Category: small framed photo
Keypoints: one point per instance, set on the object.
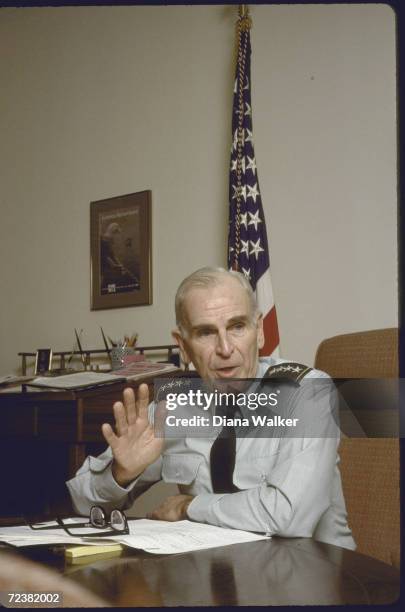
(43, 360)
(120, 243)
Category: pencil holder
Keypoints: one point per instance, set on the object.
(117, 354)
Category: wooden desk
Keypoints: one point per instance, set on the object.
(280, 571)
(45, 437)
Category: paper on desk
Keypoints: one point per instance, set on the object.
(77, 380)
(11, 379)
(163, 537)
(159, 537)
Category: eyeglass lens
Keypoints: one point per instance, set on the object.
(117, 520)
(98, 517)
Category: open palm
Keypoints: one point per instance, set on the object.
(134, 445)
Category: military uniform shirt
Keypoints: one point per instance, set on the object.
(289, 486)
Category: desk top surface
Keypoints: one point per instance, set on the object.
(279, 571)
(26, 392)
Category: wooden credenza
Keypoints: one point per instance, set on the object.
(45, 437)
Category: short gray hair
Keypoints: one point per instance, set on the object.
(210, 277)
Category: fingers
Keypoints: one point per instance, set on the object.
(121, 423)
(134, 408)
(130, 406)
(142, 402)
(131, 410)
(173, 508)
(158, 514)
(109, 435)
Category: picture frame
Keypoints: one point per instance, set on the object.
(43, 361)
(120, 251)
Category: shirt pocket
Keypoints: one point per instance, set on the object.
(180, 468)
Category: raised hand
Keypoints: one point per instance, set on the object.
(134, 445)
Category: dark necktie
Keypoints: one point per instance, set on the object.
(222, 458)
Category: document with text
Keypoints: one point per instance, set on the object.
(158, 537)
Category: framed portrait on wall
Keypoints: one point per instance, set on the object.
(120, 251)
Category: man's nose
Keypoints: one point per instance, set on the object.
(224, 345)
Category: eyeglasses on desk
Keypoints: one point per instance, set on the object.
(117, 522)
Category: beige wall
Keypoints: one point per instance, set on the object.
(102, 101)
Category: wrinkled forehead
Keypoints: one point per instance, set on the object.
(216, 303)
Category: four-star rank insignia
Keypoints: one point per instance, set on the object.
(288, 371)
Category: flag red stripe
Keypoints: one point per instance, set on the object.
(271, 337)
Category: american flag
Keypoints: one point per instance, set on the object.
(247, 239)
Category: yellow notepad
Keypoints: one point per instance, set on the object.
(77, 552)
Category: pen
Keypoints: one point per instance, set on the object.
(80, 348)
(105, 340)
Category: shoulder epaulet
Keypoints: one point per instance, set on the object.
(288, 371)
(177, 384)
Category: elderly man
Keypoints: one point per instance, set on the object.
(288, 485)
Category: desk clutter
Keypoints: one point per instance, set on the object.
(116, 355)
(85, 380)
(157, 537)
(76, 380)
(81, 554)
(10, 379)
(130, 371)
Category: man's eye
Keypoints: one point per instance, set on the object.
(203, 333)
(238, 326)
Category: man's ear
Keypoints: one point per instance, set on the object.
(179, 340)
(260, 331)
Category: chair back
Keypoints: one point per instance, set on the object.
(369, 466)
(368, 354)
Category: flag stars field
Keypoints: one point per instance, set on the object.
(241, 190)
(252, 164)
(243, 219)
(256, 248)
(254, 219)
(245, 247)
(235, 163)
(253, 193)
